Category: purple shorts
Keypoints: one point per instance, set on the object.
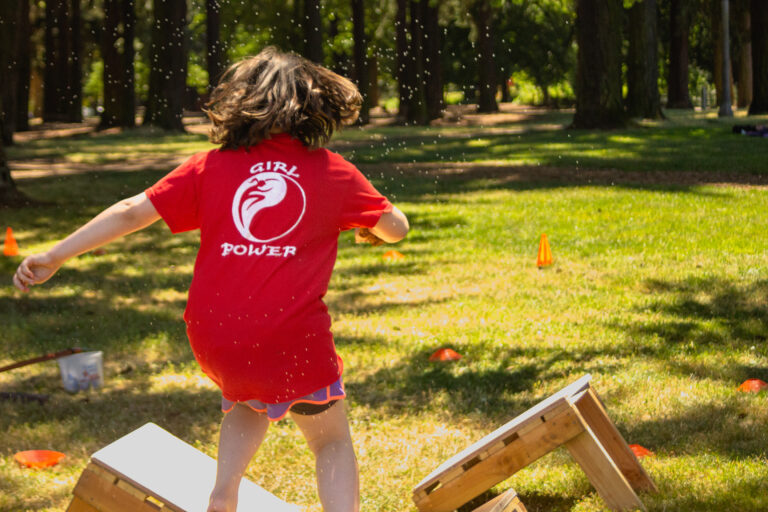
(324, 396)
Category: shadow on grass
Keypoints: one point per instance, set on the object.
(706, 313)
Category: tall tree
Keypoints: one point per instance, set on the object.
(483, 17)
(215, 57)
(61, 78)
(412, 108)
(678, 95)
(418, 109)
(643, 98)
(23, 61)
(743, 58)
(8, 68)
(313, 31)
(360, 53)
(759, 15)
(9, 194)
(118, 56)
(168, 65)
(723, 71)
(402, 58)
(599, 102)
(433, 69)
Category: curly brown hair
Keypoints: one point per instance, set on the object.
(280, 92)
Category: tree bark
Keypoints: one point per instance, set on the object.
(313, 31)
(215, 57)
(417, 112)
(759, 14)
(119, 94)
(743, 59)
(643, 99)
(61, 78)
(678, 95)
(486, 87)
(9, 69)
(10, 196)
(360, 52)
(24, 56)
(433, 70)
(168, 61)
(722, 60)
(402, 59)
(599, 102)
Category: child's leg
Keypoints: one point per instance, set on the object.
(327, 434)
(242, 431)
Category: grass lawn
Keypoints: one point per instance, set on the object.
(659, 290)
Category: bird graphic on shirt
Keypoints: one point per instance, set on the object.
(264, 190)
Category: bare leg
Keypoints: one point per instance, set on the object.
(242, 431)
(328, 437)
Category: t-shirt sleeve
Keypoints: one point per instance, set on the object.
(363, 204)
(175, 196)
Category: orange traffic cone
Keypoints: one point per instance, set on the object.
(393, 255)
(545, 253)
(11, 248)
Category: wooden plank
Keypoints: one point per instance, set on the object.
(507, 501)
(528, 419)
(604, 475)
(175, 473)
(555, 431)
(78, 505)
(105, 496)
(592, 410)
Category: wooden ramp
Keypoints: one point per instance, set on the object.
(575, 418)
(150, 470)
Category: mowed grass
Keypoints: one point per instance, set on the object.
(658, 290)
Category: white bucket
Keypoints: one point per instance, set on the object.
(82, 371)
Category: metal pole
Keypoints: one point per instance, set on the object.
(725, 105)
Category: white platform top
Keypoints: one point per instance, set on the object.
(166, 467)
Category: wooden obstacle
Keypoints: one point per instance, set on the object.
(574, 417)
(150, 470)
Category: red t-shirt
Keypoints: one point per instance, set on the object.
(269, 219)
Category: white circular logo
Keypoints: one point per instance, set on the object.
(268, 206)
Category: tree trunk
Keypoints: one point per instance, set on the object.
(743, 61)
(719, 42)
(215, 56)
(119, 95)
(678, 95)
(433, 70)
(759, 14)
(373, 79)
(168, 61)
(599, 101)
(402, 59)
(643, 99)
(417, 112)
(486, 87)
(23, 51)
(10, 196)
(360, 51)
(61, 79)
(8, 68)
(313, 31)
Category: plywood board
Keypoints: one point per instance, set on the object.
(171, 470)
(504, 432)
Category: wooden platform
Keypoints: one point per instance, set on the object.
(575, 418)
(150, 470)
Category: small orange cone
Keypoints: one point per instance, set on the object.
(544, 258)
(445, 354)
(641, 451)
(753, 386)
(393, 255)
(11, 248)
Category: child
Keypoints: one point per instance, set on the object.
(269, 204)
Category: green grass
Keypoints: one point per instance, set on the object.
(658, 290)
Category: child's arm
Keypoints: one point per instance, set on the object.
(391, 227)
(124, 217)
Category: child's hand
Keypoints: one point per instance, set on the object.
(364, 235)
(35, 269)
